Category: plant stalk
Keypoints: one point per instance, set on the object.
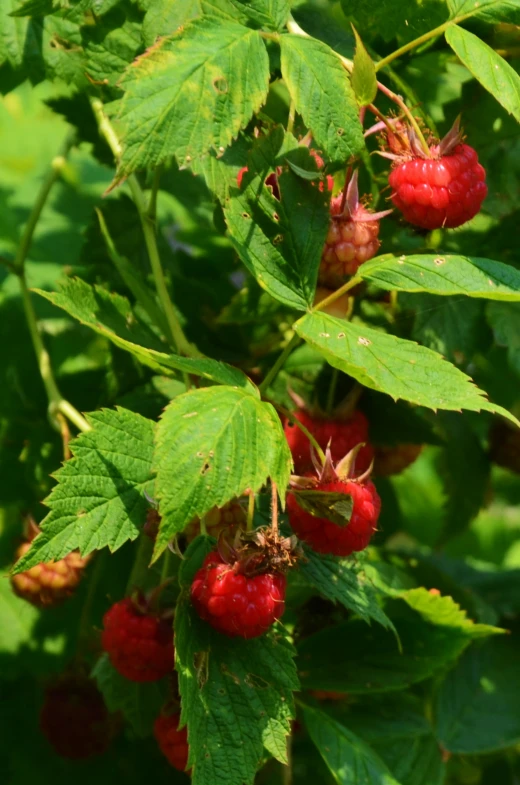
(273, 371)
(337, 294)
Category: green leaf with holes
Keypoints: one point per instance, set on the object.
(444, 274)
(212, 445)
(191, 92)
(320, 87)
(400, 368)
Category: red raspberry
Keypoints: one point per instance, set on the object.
(343, 436)
(48, 583)
(139, 644)
(442, 191)
(218, 519)
(172, 742)
(75, 720)
(393, 460)
(237, 604)
(323, 535)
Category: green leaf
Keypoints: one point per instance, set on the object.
(236, 698)
(493, 11)
(384, 362)
(190, 93)
(320, 87)
(17, 621)
(477, 704)
(391, 19)
(35, 8)
(213, 444)
(343, 581)
(352, 657)
(503, 319)
(363, 79)
(140, 703)
(112, 43)
(444, 274)
(450, 326)
(163, 17)
(111, 315)
(491, 70)
(397, 730)
(350, 760)
(280, 242)
(99, 498)
(464, 465)
(268, 14)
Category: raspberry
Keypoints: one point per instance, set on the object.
(342, 434)
(48, 583)
(218, 519)
(352, 238)
(172, 742)
(323, 535)
(234, 603)
(393, 460)
(139, 644)
(75, 720)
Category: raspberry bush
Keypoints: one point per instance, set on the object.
(259, 392)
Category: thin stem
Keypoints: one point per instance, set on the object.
(140, 566)
(273, 372)
(152, 202)
(332, 390)
(52, 176)
(337, 294)
(250, 511)
(70, 411)
(287, 769)
(177, 336)
(165, 565)
(274, 509)
(292, 115)
(423, 38)
(203, 529)
(411, 119)
(294, 420)
(85, 625)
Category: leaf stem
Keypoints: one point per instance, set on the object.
(85, 626)
(290, 119)
(177, 337)
(274, 509)
(423, 38)
(165, 565)
(273, 372)
(141, 563)
(294, 420)
(250, 511)
(337, 294)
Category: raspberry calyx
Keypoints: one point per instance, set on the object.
(138, 642)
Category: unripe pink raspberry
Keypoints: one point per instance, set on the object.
(218, 519)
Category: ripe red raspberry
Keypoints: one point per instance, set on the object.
(139, 643)
(218, 519)
(172, 742)
(390, 460)
(234, 603)
(323, 535)
(343, 435)
(48, 583)
(75, 720)
(352, 238)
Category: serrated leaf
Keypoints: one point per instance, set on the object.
(320, 87)
(503, 319)
(140, 703)
(487, 10)
(450, 326)
(99, 498)
(491, 70)
(336, 507)
(165, 16)
(111, 315)
(190, 93)
(390, 19)
(343, 581)
(111, 44)
(213, 444)
(268, 14)
(280, 242)
(444, 274)
(236, 698)
(389, 364)
(350, 760)
(483, 685)
(352, 657)
(363, 79)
